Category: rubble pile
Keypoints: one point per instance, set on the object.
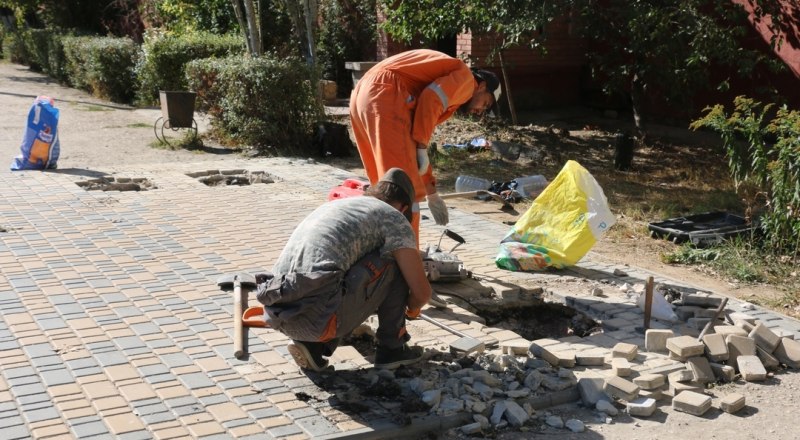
(515, 385)
(737, 345)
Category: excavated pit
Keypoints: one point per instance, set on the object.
(117, 184)
(541, 320)
(239, 177)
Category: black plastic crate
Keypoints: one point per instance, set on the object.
(701, 229)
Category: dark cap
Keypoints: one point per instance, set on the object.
(491, 80)
(401, 179)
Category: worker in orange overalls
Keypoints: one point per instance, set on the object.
(398, 103)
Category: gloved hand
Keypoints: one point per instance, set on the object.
(422, 160)
(438, 209)
(413, 313)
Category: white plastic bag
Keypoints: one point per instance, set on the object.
(660, 309)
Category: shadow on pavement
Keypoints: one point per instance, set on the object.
(72, 101)
(78, 172)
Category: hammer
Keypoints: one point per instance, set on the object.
(239, 304)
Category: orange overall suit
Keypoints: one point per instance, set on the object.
(395, 107)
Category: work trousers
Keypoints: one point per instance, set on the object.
(374, 284)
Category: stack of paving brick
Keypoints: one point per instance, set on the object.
(638, 380)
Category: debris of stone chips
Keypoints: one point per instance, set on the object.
(504, 387)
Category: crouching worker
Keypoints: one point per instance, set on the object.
(348, 259)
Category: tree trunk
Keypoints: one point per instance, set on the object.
(238, 9)
(637, 100)
(507, 90)
(310, 8)
(252, 26)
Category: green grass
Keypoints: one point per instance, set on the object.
(93, 108)
(140, 125)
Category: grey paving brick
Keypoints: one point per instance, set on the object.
(195, 381)
(136, 435)
(38, 350)
(40, 415)
(284, 431)
(19, 372)
(128, 312)
(69, 308)
(181, 401)
(175, 360)
(160, 343)
(82, 372)
(17, 379)
(316, 426)
(34, 401)
(15, 432)
(301, 413)
(214, 399)
(57, 377)
(28, 389)
(248, 399)
(84, 362)
(160, 378)
(88, 429)
(51, 323)
(264, 413)
(128, 342)
(110, 358)
(233, 383)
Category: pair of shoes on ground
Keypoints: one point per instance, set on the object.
(309, 356)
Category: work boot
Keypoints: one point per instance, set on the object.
(308, 355)
(391, 358)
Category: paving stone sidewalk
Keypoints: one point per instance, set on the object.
(112, 325)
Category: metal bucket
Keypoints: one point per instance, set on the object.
(177, 108)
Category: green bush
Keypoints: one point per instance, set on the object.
(104, 66)
(763, 148)
(347, 33)
(164, 57)
(16, 49)
(45, 52)
(267, 102)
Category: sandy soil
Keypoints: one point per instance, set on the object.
(97, 135)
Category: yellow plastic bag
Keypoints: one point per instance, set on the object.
(561, 225)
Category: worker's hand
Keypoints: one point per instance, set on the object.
(438, 209)
(413, 313)
(422, 160)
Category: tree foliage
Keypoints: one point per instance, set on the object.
(634, 47)
(763, 149)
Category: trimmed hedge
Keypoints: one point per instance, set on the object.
(15, 47)
(104, 66)
(45, 52)
(266, 102)
(164, 57)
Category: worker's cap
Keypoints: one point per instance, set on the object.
(401, 179)
(491, 80)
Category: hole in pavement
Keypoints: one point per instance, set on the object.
(541, 320)
(231, 177)
(117, 184)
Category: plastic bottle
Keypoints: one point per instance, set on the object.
(470, 183)
(531, 186)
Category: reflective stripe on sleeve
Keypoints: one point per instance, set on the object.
(440, 93)
(415, 207)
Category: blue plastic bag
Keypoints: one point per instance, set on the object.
(40, 147)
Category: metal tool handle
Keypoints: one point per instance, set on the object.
(713, 321)
(238, 311)
(444, 326)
